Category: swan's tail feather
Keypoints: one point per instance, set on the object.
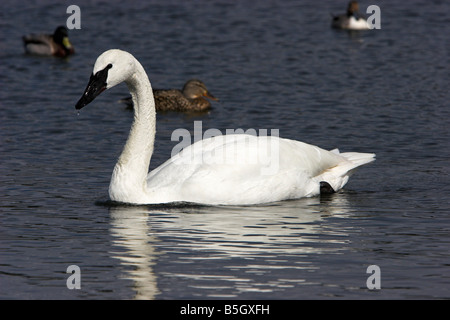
(355, 160)
(338, 176)
(335, 151)
(358, 158)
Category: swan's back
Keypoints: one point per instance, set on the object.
(246, 169)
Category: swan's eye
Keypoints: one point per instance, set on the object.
(109, 66)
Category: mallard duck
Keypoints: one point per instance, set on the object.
(190, 98)
(57, 44)
(351, 20)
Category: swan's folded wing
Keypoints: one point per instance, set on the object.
(243, 168)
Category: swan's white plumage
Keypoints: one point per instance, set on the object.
(230, 169)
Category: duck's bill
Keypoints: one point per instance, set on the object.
(96, 85)
(66, 43)
(210, 96)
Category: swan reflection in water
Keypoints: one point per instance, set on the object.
(192, 234)
(129, 226)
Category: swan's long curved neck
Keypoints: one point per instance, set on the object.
(128, 180)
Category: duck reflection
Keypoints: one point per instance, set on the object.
(285, 229)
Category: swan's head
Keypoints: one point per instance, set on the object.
(111, 68)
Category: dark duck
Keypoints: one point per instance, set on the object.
(190, 98)
(56, 44)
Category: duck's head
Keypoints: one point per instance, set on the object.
(353, 7)
(111, 68)
(194, 89)
(61, 37)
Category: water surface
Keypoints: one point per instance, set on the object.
(273, 65)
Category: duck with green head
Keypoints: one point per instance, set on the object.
(56, 44)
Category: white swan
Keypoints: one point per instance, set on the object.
(213, 171)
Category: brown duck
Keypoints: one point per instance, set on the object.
(190, 98)
(56, 44)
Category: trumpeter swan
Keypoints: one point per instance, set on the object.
(233, 169)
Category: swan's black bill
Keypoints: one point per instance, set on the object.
(96, 85)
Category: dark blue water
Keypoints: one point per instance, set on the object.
(273, 65)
